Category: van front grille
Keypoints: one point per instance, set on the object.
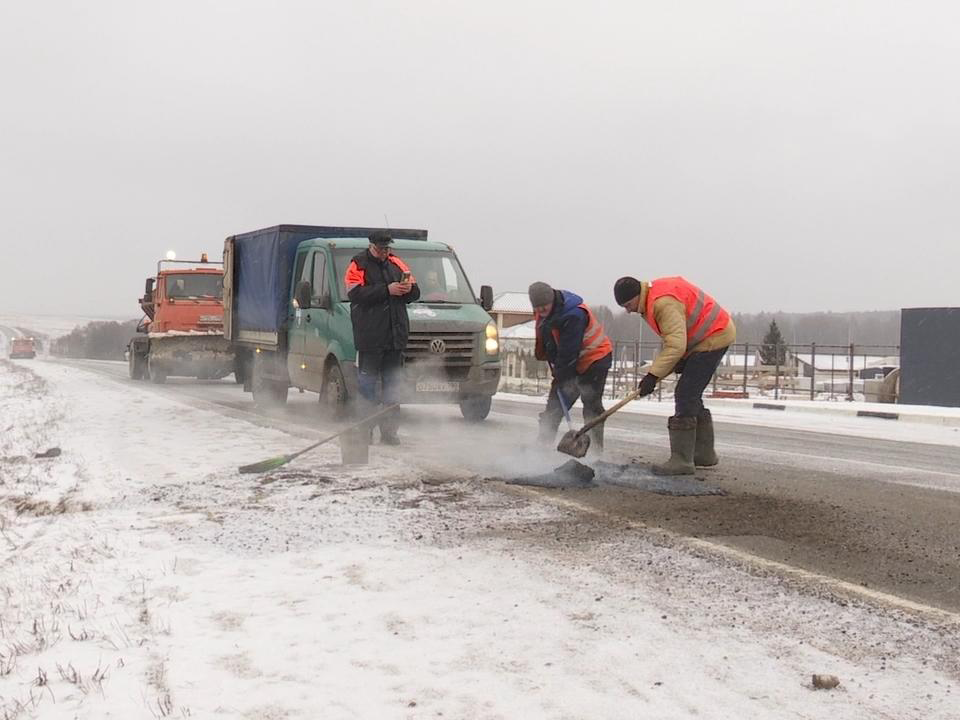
(445, 349)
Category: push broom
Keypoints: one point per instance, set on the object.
(281, 460)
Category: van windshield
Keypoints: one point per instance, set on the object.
(438, 273)
(195, 285)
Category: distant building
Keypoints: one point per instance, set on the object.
(738, 360)
(511, 308)
(517, 357)
(839, 364)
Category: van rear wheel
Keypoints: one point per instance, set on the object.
(475, 408)
(267, 393)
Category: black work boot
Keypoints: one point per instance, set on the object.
(683, 437)
(703, 454)
(389, 424)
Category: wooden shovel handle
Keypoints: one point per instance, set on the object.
(608, 412)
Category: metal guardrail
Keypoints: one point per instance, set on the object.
(838, 367)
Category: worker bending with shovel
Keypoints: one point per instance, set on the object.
(696, 333)
(579, 353)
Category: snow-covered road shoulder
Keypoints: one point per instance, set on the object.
(167, 585)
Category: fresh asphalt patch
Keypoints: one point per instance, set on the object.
(636, 476)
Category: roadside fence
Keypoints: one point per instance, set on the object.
(778, 371)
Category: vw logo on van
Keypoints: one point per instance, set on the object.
(438, 346)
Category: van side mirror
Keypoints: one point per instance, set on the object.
(302, 294)
(148, 289)
(486, 297)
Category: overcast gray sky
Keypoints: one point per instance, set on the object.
(783, 155)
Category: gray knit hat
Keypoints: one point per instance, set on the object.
(540, 294)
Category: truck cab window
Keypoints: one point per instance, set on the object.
(195, 285)
(439, 275)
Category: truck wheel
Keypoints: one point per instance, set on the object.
(334, 394)
(267, 393)
(475, 408)
(239, 370)
(156, 374)
(134, 366)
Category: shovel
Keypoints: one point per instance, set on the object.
(275, 462)
(577, 442)
(566, 411)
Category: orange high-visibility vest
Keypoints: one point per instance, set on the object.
(356, 275)
(595, 345)
(705, 317)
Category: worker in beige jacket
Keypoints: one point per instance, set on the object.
(696, 333)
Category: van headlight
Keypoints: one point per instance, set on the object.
(493, 341)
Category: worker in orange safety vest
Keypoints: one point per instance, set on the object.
(696, 333)
(573, 342)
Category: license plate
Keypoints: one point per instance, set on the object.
(438, 387)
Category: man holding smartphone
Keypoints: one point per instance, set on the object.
(379, 286)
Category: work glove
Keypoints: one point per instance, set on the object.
(647, 384)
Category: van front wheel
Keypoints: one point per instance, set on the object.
(333, 397)
(475, 408)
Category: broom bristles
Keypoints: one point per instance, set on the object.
(265, 465)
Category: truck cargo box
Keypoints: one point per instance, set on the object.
(258, 267)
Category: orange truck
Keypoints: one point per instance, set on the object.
(182, 331)
(22, 348)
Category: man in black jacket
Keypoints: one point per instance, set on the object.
(379, 286)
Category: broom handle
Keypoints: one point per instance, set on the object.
(354, 426)
(607, 413)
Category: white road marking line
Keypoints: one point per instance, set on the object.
(842, 586)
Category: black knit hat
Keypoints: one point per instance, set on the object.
(380, 237)
(626, 289)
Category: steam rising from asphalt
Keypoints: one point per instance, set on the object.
(502, 446)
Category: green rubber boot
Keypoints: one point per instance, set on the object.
(683, 437)
(703, 453)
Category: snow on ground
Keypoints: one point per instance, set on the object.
(142, 577)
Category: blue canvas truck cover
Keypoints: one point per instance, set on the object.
(262, 269)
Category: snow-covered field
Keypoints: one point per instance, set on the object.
(53, 326)
(142, 577)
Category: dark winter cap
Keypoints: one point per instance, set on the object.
(380, 237)
(540, 294)
(626, 289)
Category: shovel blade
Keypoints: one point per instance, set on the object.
(573, 444)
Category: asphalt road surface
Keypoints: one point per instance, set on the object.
(876, 513)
